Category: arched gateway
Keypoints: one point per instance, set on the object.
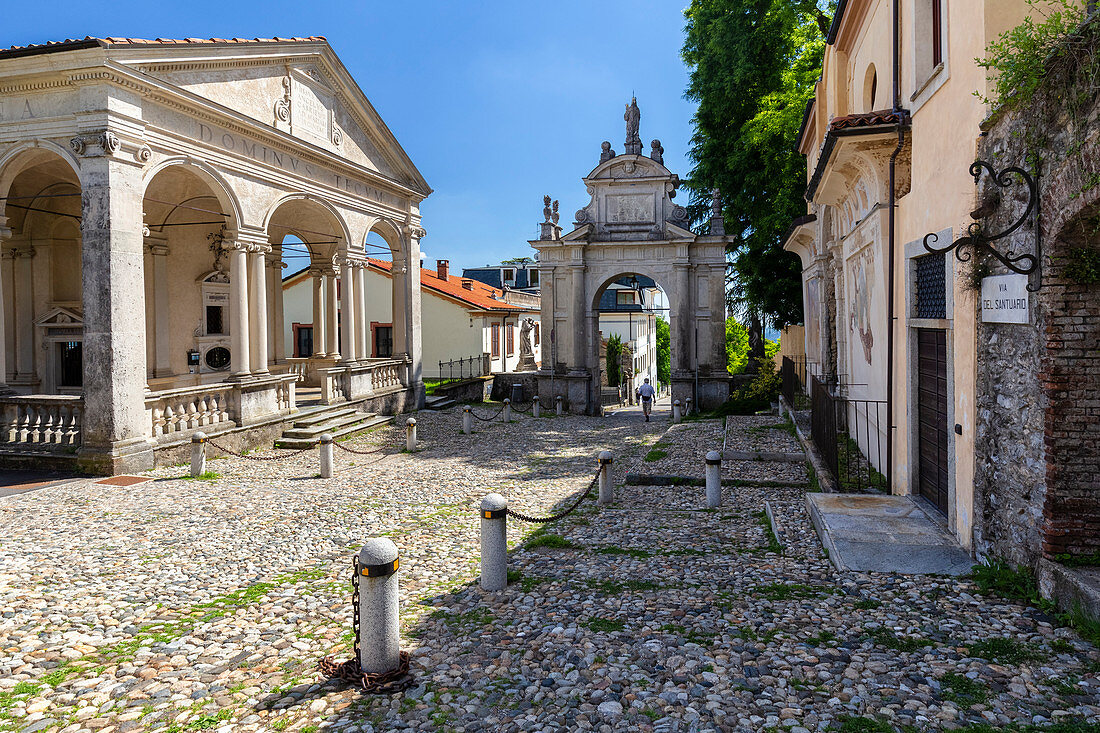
(631, 226)
(146, 190)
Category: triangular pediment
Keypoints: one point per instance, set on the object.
(61, 317)
(301, 89)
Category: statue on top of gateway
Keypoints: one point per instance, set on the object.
(633, 117)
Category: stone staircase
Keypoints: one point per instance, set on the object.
(440, 402)
(339, 420)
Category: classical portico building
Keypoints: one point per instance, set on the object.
(146, 192)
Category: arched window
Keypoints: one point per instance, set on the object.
(870, 88)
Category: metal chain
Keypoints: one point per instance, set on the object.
(530, 406)
(350, 671)
(259, 458)
(491, 418)
(344, 448)
(561, 515)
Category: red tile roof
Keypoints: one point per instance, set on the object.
(480, 297)
(109, 42)
(870, 119)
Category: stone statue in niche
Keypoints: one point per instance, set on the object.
(526, 348)
(217, 246)
(657, 152)
(633, 117)
(606, 153)
(547, 212)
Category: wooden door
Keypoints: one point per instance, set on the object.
(932, 416)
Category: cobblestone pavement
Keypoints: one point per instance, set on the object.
(182, 605)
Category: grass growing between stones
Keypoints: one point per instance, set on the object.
(852, 724)
(890, 640)
(1018, 583)
(1005, 650)
(769, 535)
(204, 476)
(616, 550)
(657, 452)
(551, 541)
(791, 591)
(605, 624)
(962, 690)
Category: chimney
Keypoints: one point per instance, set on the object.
(468, 284)
(442, 268)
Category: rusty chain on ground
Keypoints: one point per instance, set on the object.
(231, 452)
(561, 515)
(395, 680)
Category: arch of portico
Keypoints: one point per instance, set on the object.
(159, 241)
(632, 225)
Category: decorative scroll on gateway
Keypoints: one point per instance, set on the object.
(979, 241)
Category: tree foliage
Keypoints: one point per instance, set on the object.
(614, 354)
(664, 352)
(737, 346)
(753, 66)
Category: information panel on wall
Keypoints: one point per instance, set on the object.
(1005, 299)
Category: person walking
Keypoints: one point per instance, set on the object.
(646, 393)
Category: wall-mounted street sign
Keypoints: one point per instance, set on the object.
(1004, 299)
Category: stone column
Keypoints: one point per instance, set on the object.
(412, 309)
(115, 433)
(348, 322)
(546, 318)
(398, 285)
(276, 329)
(257, 301)
(362, 333)
(238, 310)
(5, 234)
(682, 342)
(318, 312)
(332, 317)
(162, 330)
(578, 338)
(23, 312)
(717, 280)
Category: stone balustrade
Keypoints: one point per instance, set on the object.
(187, 409)
(46, 421)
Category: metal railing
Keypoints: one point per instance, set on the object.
(795, 372)
(455, 370)
(851, 436)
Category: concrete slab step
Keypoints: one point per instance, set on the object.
(439, 403)
(328, 426)
(367, 421)
(323, 414)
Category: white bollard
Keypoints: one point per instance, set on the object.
(198, 454)
(676, 417)
(714, 479)
(410, 434)
(507, 409)
(607, 492)
(557, 401)
(467, 420)
(494, 542)
(379, 610)
(326, 455)
(536, 407)
(687, 406)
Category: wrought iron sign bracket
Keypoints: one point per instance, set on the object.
(979, 241)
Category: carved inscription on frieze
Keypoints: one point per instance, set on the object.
(629, 208)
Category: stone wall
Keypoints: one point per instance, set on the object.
(1037, 472)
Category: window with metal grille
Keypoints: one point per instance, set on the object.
(931, 297)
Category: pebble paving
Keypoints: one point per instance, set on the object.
(180, 605)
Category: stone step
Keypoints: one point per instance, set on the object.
(439, 403)
(322, 414)
(368, 421)
(328, 426)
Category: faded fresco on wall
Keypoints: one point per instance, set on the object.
(862, 274)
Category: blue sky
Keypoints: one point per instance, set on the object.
(497, 102)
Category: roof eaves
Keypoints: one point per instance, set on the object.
(834, 27)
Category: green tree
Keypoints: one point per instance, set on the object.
(737, 346)
(664, 352)
(753, 66)
(614, 353)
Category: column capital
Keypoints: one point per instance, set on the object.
(158, 249)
